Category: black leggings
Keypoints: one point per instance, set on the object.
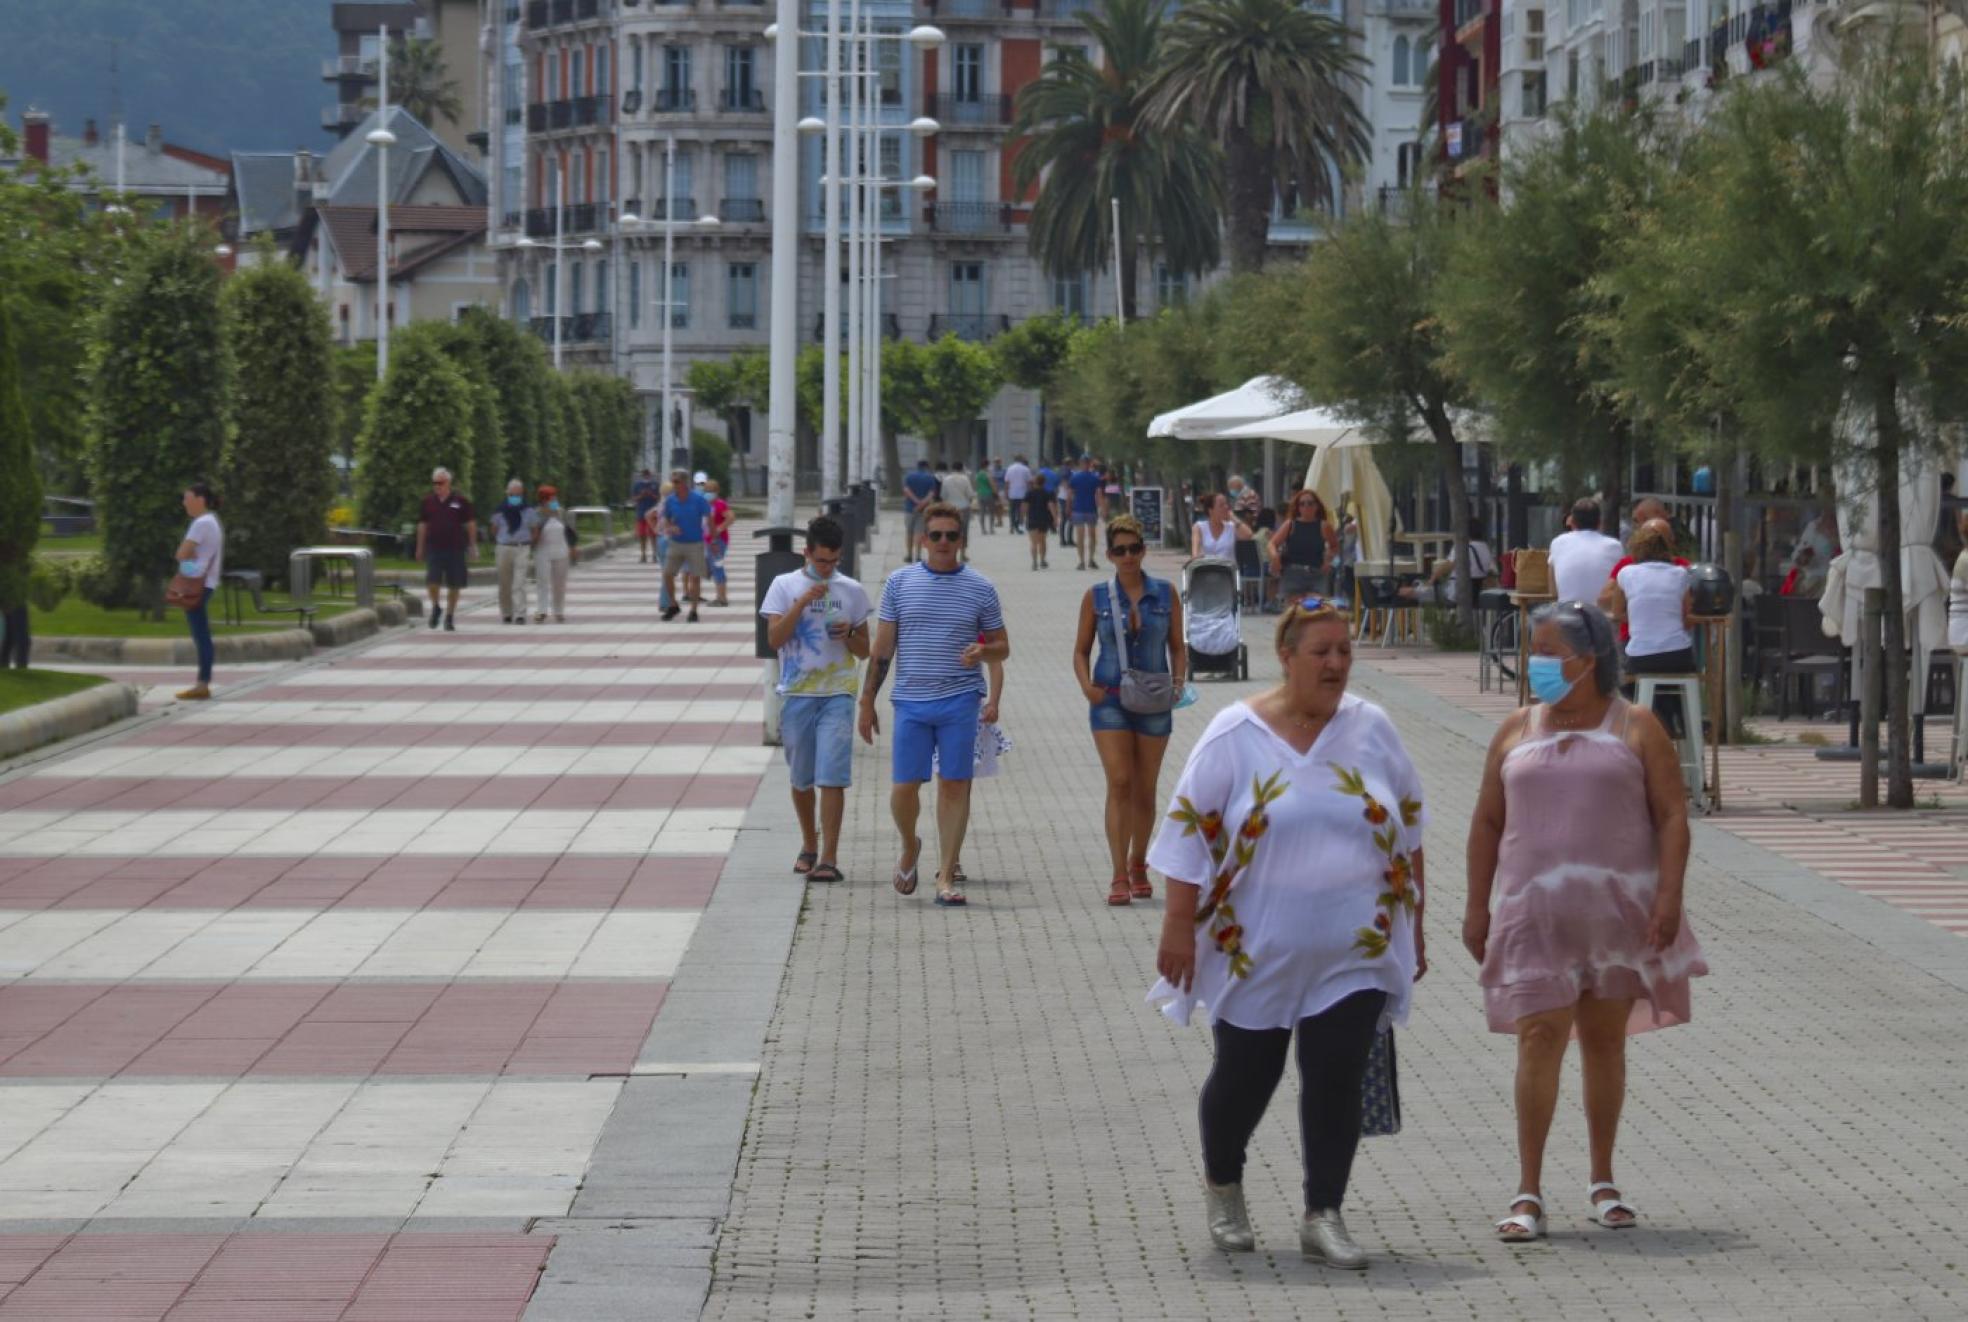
(1333, 1048)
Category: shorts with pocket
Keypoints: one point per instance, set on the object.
(684, 557)
(935, 736)
(446, 568)
(1085, 518)
(818, 734)
(1108, 714)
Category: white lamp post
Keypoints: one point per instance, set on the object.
(785, 267)
(382, 140)
(667, 308)
(560, 249)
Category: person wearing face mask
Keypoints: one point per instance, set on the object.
(1270, 946)
(513, 527)
(816, 619)
(1580, 835)
(553, 553)
(201, 555)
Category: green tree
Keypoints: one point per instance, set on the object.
(419, 419)
(556, 430)
(20, 485)
(355, 380)
(1520, 299)
(1275, 84)
(1837, 215)
(1356, 329)
(1086, 132)
(160, 408)
(958, 379)
(516, 363)
(466, 350)
(575, 475)
(1030, 356)
(421, 83)
(276, 474)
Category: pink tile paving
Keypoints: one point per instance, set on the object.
(455, 734)
(671, 691)
(324, 1029)
(272, 1276)
(669, 882)
(636, 661)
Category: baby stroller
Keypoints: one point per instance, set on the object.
(1212, 605)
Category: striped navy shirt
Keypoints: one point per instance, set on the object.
(936, 617)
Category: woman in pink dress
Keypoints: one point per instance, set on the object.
(1581, 833)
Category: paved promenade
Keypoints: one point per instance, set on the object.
(973, 1114)
(462, 977)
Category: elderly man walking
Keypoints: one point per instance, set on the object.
(447, 539)
(816, 618)
(686, 517)
(941, 624)
(513, 527)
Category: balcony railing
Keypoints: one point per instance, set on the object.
(1471, 145)
(583, 217)
(1691, 56)
(563, 11)
(891, 327)
(511, 220)
(975, 326)
(632, 101)
(981, 109)
(686, 208)
(560, 115)
(742, 320)
(580, 328)
(970, 8)
(970, 217)
(538, 13)
(673, 100)
(513, 8)
(344, 113)
(348, 66)
(742, 100)
(536, 117)
(1073, 9)
(742, 211)
(588, 110)
(1407, 7)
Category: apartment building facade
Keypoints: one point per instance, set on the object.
(353, 71)
(591, 100)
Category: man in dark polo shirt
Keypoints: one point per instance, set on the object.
(447, 539)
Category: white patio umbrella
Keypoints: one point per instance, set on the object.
(1259, 398)
(1342, 466)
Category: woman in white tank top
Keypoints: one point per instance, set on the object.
(1218, 533)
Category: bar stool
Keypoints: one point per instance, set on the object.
(1689, 746)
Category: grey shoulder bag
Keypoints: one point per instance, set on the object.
(1144, 692)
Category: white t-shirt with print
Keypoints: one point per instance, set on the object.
(813, 664)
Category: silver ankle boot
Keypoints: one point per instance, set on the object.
(1322, 1236)
(1229, 1221)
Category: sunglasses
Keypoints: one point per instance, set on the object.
(1313, 603)
(942, 536)
(1126, 548)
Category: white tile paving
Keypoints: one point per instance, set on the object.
(207, 945)
(315, 1148)
(260, 761)
(547, 711)
(545, 677)
(196, 833)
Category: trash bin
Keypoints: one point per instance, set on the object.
(778, 558)
(846, 511)
(866, 498)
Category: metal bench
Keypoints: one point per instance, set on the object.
(300, 571)
(250, 581)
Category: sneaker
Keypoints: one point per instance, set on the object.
(505, 619)
(671, 612)
(437, 613)
(450, 625)
(692, 617)
(196, 693)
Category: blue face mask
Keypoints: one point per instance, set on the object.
(187, 566)
(512, 500)
(1547, 675)
(553, 505)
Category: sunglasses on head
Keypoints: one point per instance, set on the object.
(1313, 603)
(1126, 548)
(941, 535)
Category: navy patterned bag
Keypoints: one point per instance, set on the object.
(1380, 1091)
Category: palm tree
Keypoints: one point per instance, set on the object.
(420, 82)
(1084, 132)
(1273, 84)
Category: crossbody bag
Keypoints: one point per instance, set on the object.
(1144, 692)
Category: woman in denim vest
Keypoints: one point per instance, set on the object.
(1131, 744)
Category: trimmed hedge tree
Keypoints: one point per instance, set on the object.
(419, 419)
(276, 477)
(20, 485)
(160, 410)
(516, 364)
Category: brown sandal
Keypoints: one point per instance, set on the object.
(1138, 882)
(1117, 894)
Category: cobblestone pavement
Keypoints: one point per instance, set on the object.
(973, 1114)
(362, 952)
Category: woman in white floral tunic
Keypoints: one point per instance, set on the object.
(1294, 861)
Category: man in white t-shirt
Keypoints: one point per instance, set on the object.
(1018, 485)
(816, 618)
(957, 492)
(1583, 559)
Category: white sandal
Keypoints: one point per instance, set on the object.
(1531, 1227)
(1602, 1208)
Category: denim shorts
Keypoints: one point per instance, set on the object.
(1085, 518)
(946, 728)
(818, 734)
(1108, 714)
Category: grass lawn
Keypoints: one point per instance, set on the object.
(24, 688)
(85, 543)
(76, 618)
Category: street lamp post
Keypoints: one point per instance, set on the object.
(560, 248)
(667, 308)
(382, 140)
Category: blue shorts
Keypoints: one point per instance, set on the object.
(818, 734)
(714, 552)
(1085, 518)
(1108, 714)
(945, 727)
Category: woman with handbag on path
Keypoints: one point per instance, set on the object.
(1131, 689)
(1304, 771)
(201, 558)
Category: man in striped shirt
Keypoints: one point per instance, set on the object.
(940, 623)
